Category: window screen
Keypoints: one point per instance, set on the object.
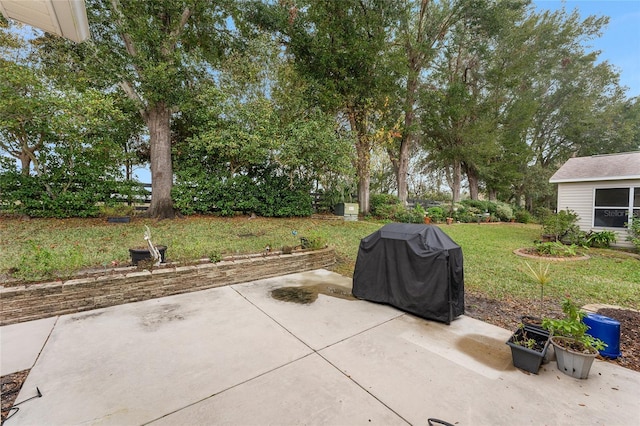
(611, 207)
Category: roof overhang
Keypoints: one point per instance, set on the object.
(66, 18)
(594, 179)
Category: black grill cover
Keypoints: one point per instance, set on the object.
(416, 268)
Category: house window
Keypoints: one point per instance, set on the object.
(636, 202)
(611, 209)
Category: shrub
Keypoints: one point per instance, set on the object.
(379, 204)
(556, 248)
(560, 224)
(436, 214)
(262, 192)
(576, 237)
(523, 216)
(314, 240)
(601, 239)
(504, 212)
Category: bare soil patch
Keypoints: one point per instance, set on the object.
(506, 314)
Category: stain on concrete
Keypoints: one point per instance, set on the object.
(307, 294)
(160, 315)
(85, 316)
(489, 351)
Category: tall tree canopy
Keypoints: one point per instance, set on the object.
(151, 50)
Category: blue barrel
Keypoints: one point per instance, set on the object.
(606, 329)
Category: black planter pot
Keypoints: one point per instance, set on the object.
(142, 254)
(524, 358)
(119, 219)
(534, 323)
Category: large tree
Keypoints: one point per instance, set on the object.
(150, 50)
(341, 49)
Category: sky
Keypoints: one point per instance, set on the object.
(620, 41)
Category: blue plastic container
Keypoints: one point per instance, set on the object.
(606, 329)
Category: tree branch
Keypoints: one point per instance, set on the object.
(174, 36)
(128, 42)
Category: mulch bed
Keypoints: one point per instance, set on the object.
(504, 313)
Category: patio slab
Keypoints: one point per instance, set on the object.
(234, 355)
(20, 344)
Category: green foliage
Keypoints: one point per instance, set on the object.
(379, 203)
(388, 207)
(42, 262)
(314, 239)
(559, 224)
(523, 216)
(504, 212)
(556, 248)
(436, 213)
(57, 194)
(602, 239)
(572, 326)
(541, 276)
(262, 191)
(488, 257)
(634, 232)
(215, 256)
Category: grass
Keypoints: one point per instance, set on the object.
(51, 248)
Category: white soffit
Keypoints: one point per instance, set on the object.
(66, 18)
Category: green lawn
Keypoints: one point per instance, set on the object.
(47, 248)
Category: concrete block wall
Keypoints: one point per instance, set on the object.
(30, 302)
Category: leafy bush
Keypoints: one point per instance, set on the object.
(601, 239)
(314, 240)
(414, 215)
(504, 212)
(560, 224)
(262, 192)
(556, 248)
(634, 232)
(436, 214)
(576, 237)
(470, 209)
(523, 216)
(381, 205)
(572, 326)
(59, 195)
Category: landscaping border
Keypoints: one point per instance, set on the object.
(36, 301)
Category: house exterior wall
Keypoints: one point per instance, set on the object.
(579, 197)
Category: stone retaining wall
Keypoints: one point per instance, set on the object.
(26, 303)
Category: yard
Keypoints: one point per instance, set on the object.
(41, 249)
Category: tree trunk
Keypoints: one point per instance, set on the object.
(474, 181)
(456, 181)
(363, 160)
(493, 195)
(158, 121)
(409, 131)
(25, 163)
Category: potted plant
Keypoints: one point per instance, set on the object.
(575, 350)
(541, 276)
(528, 348)
(150, 254)
(529, 343)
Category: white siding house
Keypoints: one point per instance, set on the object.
(604, 190)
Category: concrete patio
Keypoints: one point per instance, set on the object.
(235, 355)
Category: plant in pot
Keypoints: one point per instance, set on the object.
(528, 348)
(149, 255)
(575, 349)
(541, 276)
(530, 342)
